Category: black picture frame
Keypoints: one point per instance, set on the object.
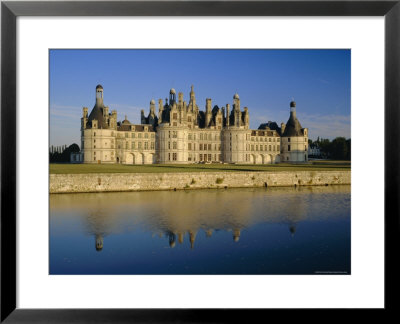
(10, 10)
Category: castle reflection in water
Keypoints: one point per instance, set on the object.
(184, 215)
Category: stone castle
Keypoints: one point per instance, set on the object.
(180, 133)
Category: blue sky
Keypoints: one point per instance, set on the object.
(266, 81)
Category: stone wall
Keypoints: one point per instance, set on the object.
(101, 182)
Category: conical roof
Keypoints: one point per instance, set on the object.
(97, 113)
(293, 127)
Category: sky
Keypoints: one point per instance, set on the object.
(266, 81)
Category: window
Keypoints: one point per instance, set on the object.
(278, 147)
(288, 139)
(94, 146)
(252, 147)
(169, 156)
(261, 147)
(174, 116)
(94, 134)
(256, 147)
(201, 147)
(174, 156)
(126, 145)
(133, 145)
(152, 135)
(139, 135)
(126, 135)
(190, 147)
(209, 147)
(169, 145)
(146, 135)
(305, 147)
(174, 145)
(269, 147)
(146, 145)
(190, 136)
(152, 145)
(201, 136)
(174, 124)
(140, 145)
(288, 148)
(133, 135)
(189, 120)
(174, 134)
(201, 157)
(209, 157)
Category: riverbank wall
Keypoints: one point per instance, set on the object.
(111, 182)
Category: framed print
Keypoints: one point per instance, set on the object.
(168, 40)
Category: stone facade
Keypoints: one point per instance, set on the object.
(181, 133)
(106, 182)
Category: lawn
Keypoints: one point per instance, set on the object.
(167, 168)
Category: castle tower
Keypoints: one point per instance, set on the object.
(99, 95)
(294, 139)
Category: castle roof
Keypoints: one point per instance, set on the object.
(97, 114)
(293, 127)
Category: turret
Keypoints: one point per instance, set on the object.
(172, 96)
(99, 95)
(293, 109)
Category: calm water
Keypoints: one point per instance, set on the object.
(236, 231)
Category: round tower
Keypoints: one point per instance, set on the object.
(99, 95)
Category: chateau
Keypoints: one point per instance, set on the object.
(181, 133)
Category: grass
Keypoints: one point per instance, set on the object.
(168, 168)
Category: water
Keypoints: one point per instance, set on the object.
(235, 231)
